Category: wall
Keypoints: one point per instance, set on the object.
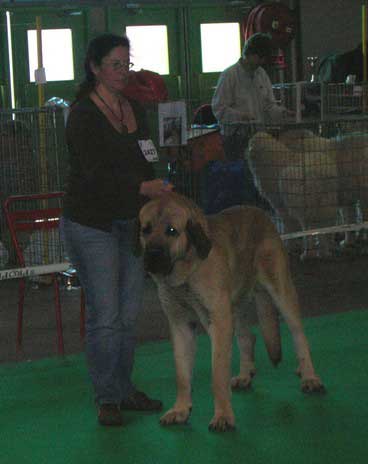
(326, 26)
(329, 26)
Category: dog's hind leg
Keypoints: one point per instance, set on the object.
(269, 324)
(246, 342)
(273, 274)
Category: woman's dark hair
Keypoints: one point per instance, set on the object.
(98, 48)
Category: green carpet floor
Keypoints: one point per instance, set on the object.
(47, 413)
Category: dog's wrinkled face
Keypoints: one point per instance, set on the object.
(168, 235)
(163, 238)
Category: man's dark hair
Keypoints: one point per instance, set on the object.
(258, 44)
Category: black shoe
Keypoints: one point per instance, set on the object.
(110, 415)
(139, 401)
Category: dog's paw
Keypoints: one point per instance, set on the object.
(222, 423)
(242, 382)
(175, 416)
(312, 385)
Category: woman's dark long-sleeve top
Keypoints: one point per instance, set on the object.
(106, 168)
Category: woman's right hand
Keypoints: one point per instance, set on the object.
(155, 188)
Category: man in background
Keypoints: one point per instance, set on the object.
(244, 101)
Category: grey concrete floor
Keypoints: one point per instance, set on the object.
(39, 331)
(324, 286)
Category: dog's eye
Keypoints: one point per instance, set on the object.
(147, 229)
(171, 231)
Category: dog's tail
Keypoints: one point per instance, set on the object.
(268, 318)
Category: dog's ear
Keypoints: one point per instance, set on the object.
(137, 247)
(199, 239)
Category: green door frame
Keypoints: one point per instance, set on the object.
(186, 79)
(4, 63)
(22, 20)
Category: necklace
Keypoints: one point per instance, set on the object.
(120, 118)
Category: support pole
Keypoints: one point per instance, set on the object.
(41, 93)
(42, 130)
(364, 53)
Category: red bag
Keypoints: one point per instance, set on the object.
(146, 87)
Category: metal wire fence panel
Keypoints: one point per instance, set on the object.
(309, 176)
(33, 159)
(344, 99)
(312, 101)
(32, 151)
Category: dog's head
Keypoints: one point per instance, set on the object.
(171, 230)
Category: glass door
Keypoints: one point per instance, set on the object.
(215, 38)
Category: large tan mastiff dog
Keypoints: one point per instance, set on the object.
(203, 266)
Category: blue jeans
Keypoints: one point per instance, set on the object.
(113, 281)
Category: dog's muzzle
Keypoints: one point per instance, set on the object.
(157, 260)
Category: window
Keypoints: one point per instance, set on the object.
(149, 48)
(219, 54)
(57, 54)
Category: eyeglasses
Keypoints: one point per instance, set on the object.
(118, 65)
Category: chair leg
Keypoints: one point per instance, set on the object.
(59, 324)
(21, 292)
(82, 322)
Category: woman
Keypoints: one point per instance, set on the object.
(109, 181)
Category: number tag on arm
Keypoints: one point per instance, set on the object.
(149, 150)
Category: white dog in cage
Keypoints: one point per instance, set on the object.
(352, 163)
(351, 156)
(298, 174)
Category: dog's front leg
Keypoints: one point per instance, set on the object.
(184, 344)
(221, 333)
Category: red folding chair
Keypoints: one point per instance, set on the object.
(32, 214)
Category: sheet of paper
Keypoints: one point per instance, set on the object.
(172, 119)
